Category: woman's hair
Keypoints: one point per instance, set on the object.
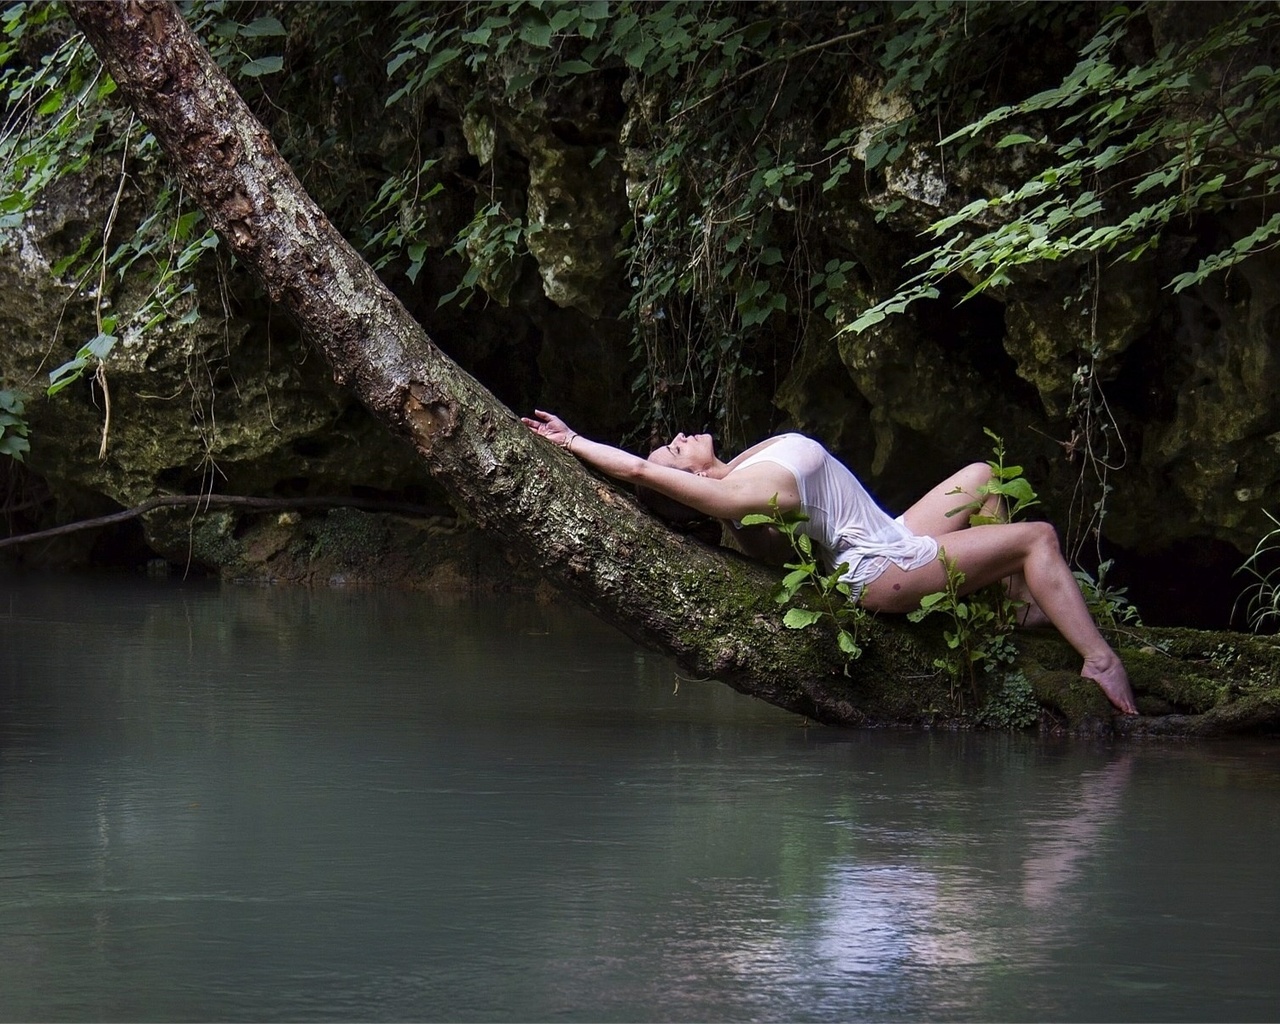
(676, 512)
(681, 517)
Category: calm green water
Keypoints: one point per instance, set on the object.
(231, 803)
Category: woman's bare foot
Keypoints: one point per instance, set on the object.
(1109, 674)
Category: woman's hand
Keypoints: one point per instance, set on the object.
(553, 428)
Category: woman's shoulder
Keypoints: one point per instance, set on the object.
(785, 448)
(790, 437)
(794, 442)
(802, 440)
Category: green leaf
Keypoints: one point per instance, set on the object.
(793, 580)
(636, 55)
(537, 34)
(563, 18)
(440, 59)
(260, 66)
(262, 27)
(99, 347)
(1019, 489)
(67, 373)
(50, 105)
(14, 446)
(1016, 139)
(185, 223)
(799, 618)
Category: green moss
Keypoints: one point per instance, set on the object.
(350, 539)
(212, 538)
(1074, 700)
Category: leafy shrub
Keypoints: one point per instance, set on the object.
(13, 424)
(1263, 595)
(812, 593)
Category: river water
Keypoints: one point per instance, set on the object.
(235, 803)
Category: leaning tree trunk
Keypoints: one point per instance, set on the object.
(709, 609)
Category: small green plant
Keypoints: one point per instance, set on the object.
(13, 424)
(1013, 706)
(979, 639)
(1224, 656)
(92, 353)
(981, 623)
(1263, 594)
(822, 595)
(1012, 491)
(401, 208)
(1108, 605)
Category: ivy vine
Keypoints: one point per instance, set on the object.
(1122, 150)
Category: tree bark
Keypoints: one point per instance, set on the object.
(709, 609)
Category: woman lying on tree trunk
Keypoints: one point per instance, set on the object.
(893, 563)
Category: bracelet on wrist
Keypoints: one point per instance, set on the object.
(569, 446)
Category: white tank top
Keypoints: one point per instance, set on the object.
(845, 523)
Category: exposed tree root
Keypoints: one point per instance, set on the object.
(211, 500)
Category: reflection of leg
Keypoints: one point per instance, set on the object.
(987, 554)
(1060, 843)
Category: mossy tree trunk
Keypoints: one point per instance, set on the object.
(709, 609)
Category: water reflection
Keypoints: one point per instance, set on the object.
(1063, 840)
(232, 803)
(917, 913)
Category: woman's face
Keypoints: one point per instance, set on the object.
(694, 453)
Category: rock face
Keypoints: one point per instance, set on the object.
(229, 404)
(1184, 440)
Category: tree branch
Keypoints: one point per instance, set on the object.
(205, 501)
(713, 612)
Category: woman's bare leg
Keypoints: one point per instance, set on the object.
(987, 554)
(929, 517)
(1030, 614)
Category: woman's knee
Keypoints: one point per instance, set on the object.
(973, 477)
(1043, 536)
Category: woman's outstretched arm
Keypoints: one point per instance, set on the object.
(609, 460)
(730, 497)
